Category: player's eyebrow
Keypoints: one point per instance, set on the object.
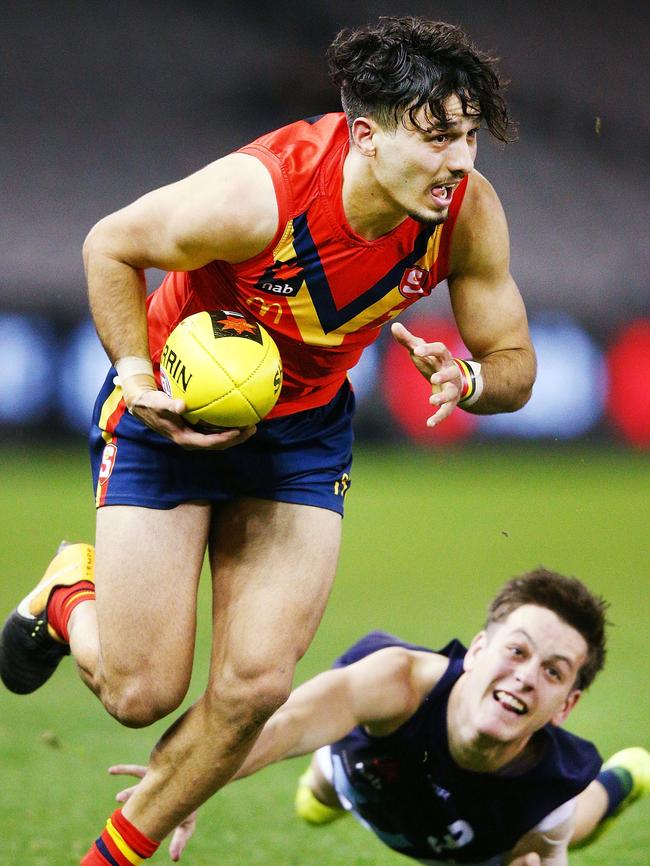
(559, 657)
(444, 126)
(525, 634)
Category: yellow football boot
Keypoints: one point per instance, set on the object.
(631, 764)
(309, 808)
(29, 649)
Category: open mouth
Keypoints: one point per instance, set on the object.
(442, 195)
(509, 702)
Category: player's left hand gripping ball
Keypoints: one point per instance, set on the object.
(225, 366)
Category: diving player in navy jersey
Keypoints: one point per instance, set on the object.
(457, 756)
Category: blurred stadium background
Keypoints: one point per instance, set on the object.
(103, 101)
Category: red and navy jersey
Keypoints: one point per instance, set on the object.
(409, 791)
(321, 290)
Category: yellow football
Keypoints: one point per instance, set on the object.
(225, 366)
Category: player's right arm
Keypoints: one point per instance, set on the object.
(228, 211)
(380, 692)
(547, 844)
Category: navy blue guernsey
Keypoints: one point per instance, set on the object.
(409, 791)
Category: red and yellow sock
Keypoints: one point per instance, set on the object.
(121, 844)
(63, 601)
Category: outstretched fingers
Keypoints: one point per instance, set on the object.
(127, 770)
(182, 833)
(181, 836)
(435, 361)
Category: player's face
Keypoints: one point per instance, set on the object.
(417, 172)
(522, 673)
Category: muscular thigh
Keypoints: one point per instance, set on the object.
(273, 564)
(148, 564)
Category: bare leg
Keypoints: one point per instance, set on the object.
(273, 565)
(146, 575)
(321, 787)
(590, 808)
(631, 766)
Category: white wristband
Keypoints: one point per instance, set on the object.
(131, 365)
(128, 367)
(471, 372)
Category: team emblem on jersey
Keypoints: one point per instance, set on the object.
(379, 772)
(415, 281)
(289, 283)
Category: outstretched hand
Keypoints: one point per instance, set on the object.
(182, 833)
(435, 362)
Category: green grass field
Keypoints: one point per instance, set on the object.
(428, 538)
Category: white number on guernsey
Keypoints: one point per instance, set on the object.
(459, 833)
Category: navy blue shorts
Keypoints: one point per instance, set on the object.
(304, 458)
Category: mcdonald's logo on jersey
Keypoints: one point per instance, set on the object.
(415, 281)
(264, 307)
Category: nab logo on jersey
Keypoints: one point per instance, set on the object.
(415, 282)
(281, 287)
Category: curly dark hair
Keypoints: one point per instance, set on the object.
(391, 69)
(570, 600)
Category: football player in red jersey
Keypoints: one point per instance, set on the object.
(324, 231)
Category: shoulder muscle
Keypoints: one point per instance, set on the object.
(389, 686)
(480, 242)
(226, 210)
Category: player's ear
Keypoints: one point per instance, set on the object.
(572, 699)
(475, 648)
(363, 130)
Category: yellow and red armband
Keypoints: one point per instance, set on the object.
(472, 381)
